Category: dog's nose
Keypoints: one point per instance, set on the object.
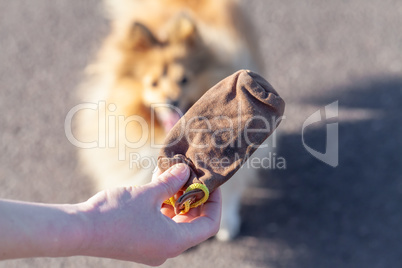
(174, 103)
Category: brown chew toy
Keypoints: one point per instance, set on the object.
(221, 131)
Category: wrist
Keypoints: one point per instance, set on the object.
(78, 234)
(69, 232)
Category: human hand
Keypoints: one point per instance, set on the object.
(133, 224)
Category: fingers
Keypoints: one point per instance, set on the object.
(155, 174)
(207, 224)
(170, 182)
(168, 211)
(200, 223)
(211, 210)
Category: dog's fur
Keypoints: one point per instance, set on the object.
(166, 52)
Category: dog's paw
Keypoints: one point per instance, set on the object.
(230, 228)
(224, 235)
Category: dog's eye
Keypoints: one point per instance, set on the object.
(183, 81)
(155, 83)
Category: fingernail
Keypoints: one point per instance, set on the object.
(179, 169)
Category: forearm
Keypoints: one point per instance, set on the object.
(39, 230)
(125, 223)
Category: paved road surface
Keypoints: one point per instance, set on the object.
(307, 215)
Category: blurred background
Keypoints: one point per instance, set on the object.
(315, 52)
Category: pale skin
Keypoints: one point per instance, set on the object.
(129, 223)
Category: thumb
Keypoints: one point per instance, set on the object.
(170, 182)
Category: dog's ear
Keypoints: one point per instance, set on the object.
(141, 37)
(183, 30)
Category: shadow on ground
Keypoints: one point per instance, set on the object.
(349, 215)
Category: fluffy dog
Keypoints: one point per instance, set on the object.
(159, 59)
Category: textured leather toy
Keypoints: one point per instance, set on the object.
(220, 132)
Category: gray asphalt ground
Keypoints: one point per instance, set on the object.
(315, 52)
